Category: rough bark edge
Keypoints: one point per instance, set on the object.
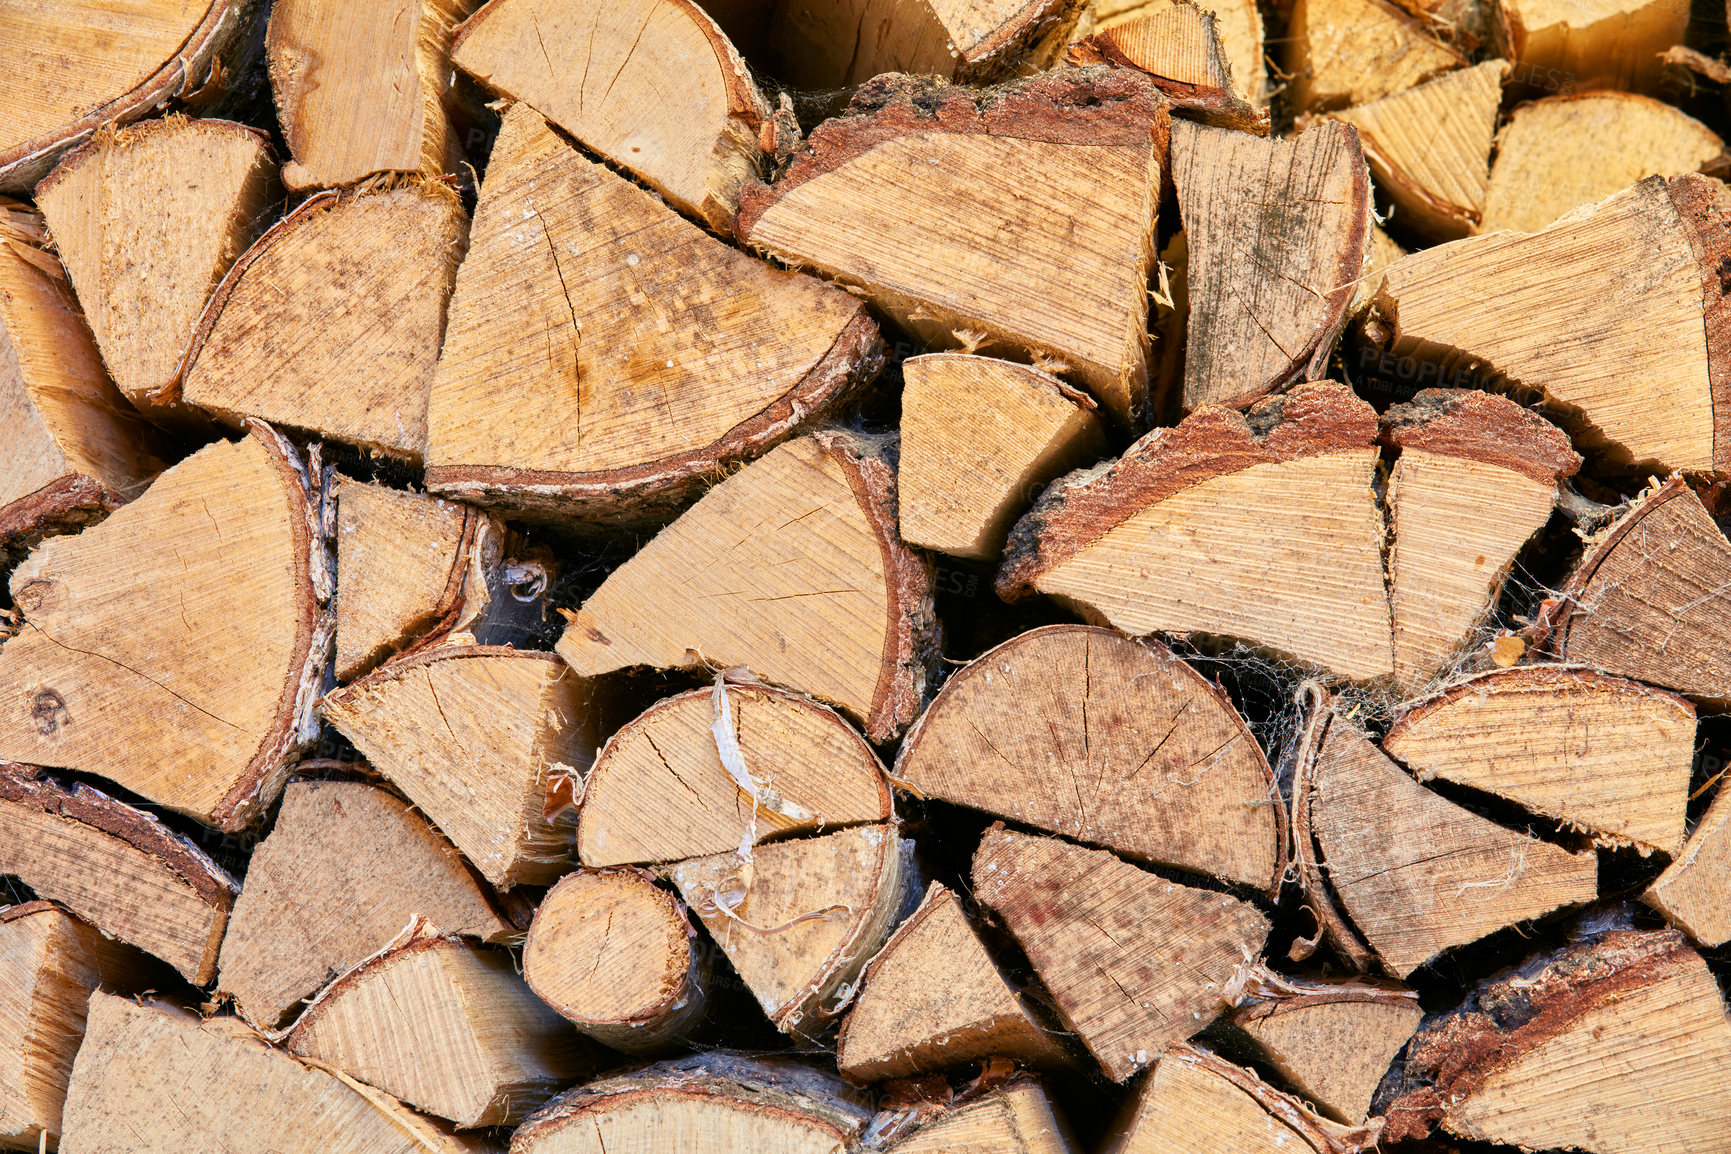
(1314, 888)
(1483, 427)
(654, 492)
(67, 505)
(1523, 677)
(1221, 107)
(1079, 509)
(1258, 993)
(1437, 218)
(1322, 1136)
(26, 909)
(1703, 205)
(130, 134)
(1038, 30)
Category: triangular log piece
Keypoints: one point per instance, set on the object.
(331, 321)
(1133, 961)
(1429, 148)
(613, 953)
(1613, 44)
(934, 999)
(1418, 874)
(1604, 755)
(172, 651)
(75, 450)
(652, 85)
(793, 567)
(475, 736)
(1343, 53)
(1694, 892)
(1380, 253)
(1239, 25)
(1261, 527)
(1461, 452)
(447, 1028)
(363, 88)
(1276, 232)
(1018, 1117)
(669, 356)
(800, 919)
(1173, 774)
(980, 439)
(346, 866)
(707, 1102)
(116, 867)
(1180, 49)
(152, 1078)
(148, 219)
(1071, 287)
(1619, 1042)
(660, 792)
(1557, 154)
(1485, 311)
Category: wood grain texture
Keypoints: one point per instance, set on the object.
(1348, 52)
(1017, 1118)
(1239, 23)
(1595, 43)
(1180, 47)
(1694, 892)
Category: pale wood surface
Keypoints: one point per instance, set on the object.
(1694, 892)
(1240, 26)
(1016, 1119)
(1381, 252)
(1347, 52)
(1593, 43)
(1180, 46)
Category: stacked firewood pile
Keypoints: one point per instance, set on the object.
(626, 576)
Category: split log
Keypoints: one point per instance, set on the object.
(1614, 45)
(980, 438)
(363, 88)
(1180, 47)
(800, 919)
(1266, 300)
(793, 567)
(1694, 892)
(1239, 23)
(1071, 287)
(1133, 962)
(331, 321)
(1557, 154)
(674, 356)
(1343, 53)
(659, 791)
(474, 736)
(1017, 1117)
(445, 1027)
(1262, 528)
(1380, 253)
(116, 867)
(934, 999)
(173, 653)
(1173, 774)
(346, 866)
(613, 953)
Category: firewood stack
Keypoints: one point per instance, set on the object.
(1045, 577)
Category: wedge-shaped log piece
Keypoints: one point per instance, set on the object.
(1461, 452)
(1490, 305)
(986, 167)
(1349, 52)
(800, 919)
(345, 868)
(473, 735)
(659, 791)
(1601, 44)
(1133, 961)
(669, 355)
(981, 437)
(1619, 1042)
(1694, 892)
(1261, 527)
(116, 867)
(152, 1078)
(1239, 23)
(1017, 1117)
(177, 647)
(1179, 47)
(1557, 154)
(1172, 773)
(363, 88)
(933, 999)
(331, 322)
(792, 567)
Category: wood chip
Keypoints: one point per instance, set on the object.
(1694, 892)
(1342, 53)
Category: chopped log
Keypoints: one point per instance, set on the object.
(1461, 451)
(1133, 962)
(346, 866)
(660, 792)
(980, 438)
(1557, 154)
(363, 88)
(1694, 892)
(1486, 309)
(934, 999)
(674, 356)
(792, 567)
(613, 954)
(1239, 23)
(1607, 45)
(1174, 775)
(1343, 53)
(116, 867)
(1262, 528)
(445, 1027)
(1017, 1117)
(1180, 48)
(331, 321)
(148, 220)
(152, 1078)
(800, 919)
(474, 736)
(174, 653)
(1380, 253)
(1310, 201)
(1071, 287)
